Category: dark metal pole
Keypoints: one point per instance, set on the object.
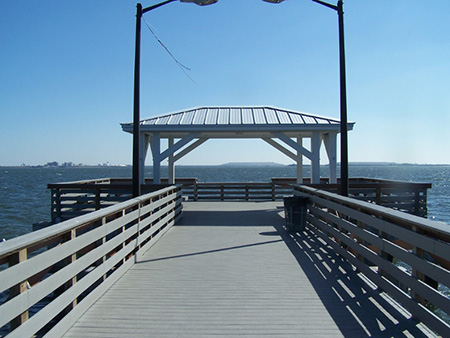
(136, 109)
(344, 131)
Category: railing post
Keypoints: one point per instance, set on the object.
(123, 230)
(104, 221)
(246, 192)
(195, 191)
(56, 205)
(221, 192)
(420, 276)
(385, 256)
(97, 199)
(273, 191)
(417, 203)
(378, 195)
(139, 206)
(17, 258)
(69, 260)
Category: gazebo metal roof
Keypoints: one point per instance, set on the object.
(240, 122)
(282, 129)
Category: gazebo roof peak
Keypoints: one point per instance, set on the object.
(239, 115)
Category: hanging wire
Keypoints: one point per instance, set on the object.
(182, 67)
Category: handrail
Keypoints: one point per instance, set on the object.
(408, 197)
(73, 199)
(51, 276)
(373, 238)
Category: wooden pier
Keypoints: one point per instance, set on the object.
(158, 265)
(231, 269)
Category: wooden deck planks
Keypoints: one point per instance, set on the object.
(230, 269)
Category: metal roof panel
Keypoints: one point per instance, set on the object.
(260, 118)
(271, 116)
(235, 116)
(247, 116)
(238, 118)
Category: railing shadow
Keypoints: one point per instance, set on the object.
(356, 306)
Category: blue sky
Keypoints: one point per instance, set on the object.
(66, 75)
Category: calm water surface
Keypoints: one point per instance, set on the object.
(25, 199)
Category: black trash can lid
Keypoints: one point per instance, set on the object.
(295, 200)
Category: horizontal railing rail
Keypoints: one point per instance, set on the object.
(72, 199)
(239, 191)
(48, 278)
(406, 256)
(409, 197)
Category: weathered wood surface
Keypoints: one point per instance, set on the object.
(48, 278)
(231, 269)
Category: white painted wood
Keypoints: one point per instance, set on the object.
(305, 152)
(190, 148)
(280, 147)
(331, 148)
(156, 151)
(171, 163)
(299, 161)
(177, 146)
(143, 150)
(315, 157)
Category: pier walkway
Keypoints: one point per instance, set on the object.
(231, 269)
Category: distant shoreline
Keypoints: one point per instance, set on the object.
(229, 164)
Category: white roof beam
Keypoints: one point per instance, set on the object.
(177, 146)
(294, 145)
(281, 148)
(187, 150)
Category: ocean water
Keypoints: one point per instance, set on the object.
(25, 199)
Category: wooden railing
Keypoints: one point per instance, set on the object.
(373, 238)
(239, 191)
(48, 278)
(72, 199)
(409, 197)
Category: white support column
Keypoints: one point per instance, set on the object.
(299, 162)
(315, 158)
(144, 139)
(331, 148)
(171, 163)
(156, 149)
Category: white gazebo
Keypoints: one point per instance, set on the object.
(283, 129)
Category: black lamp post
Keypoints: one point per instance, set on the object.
(339, 8)
(136, 111)
(136, 108)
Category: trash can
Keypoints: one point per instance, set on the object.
(295, 212)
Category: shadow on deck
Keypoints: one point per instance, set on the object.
(231, 268)
(354, 303)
